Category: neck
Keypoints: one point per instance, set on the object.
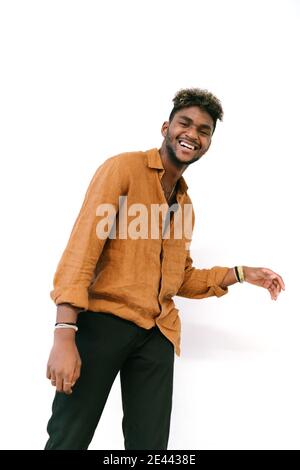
(173, 171)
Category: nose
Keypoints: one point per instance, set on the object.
(192, 134)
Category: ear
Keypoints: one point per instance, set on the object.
(164, 128)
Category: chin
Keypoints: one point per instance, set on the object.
(187, 158)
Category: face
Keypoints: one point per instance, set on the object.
(188, 135)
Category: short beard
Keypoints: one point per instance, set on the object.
(173, 157)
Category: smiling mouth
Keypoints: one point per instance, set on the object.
(186, 145)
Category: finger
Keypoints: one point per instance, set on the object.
(280, 280)
(53, 380)
(275, 291)
(277, 286)
(69, 382)
(268, 284)
(273, 286)
(76, 373)
(67, 385)
(273, 297)
(48, 372)
(272, 291)
(59, 383)
(275, 276)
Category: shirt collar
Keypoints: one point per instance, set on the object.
(154, 161)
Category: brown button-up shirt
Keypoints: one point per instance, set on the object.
(134, 270)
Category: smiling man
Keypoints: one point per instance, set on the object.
(114, 287)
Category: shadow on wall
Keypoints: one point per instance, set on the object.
(206, 341)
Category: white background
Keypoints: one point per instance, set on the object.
(85, 80)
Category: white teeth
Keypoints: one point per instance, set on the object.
(188, 146)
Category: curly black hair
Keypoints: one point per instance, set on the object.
(205, 100)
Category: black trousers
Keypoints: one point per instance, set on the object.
(145, 359)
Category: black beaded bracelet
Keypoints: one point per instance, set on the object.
(237, 273)
(65, 323)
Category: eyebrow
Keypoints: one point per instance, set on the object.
(202, 126)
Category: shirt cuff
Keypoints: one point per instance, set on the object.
(76, 296)
(215, 278)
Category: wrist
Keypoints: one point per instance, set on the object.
(64, 334)
(66, 313)
(246, 273)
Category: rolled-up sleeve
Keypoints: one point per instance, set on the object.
(201, 283)
(77, 265)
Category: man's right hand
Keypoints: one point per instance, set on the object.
(64, 363)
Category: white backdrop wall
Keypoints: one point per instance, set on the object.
(85, 80)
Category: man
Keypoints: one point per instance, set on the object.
(116, 279)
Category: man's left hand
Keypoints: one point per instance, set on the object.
(264, 277)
